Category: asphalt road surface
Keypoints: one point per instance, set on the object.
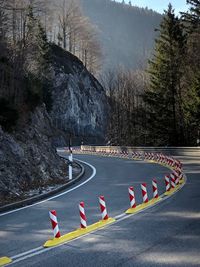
(167, 234)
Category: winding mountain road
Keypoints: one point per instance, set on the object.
(167, 234)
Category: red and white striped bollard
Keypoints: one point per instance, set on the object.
(54, 222)
(83, 218)
(176, 177)
(132, 197)
(172, 177)
(102, 203)
(155, 188)
(144, 192)
(167, 183)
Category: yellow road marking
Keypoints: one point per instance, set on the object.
(79, 232)
(172, 190)
(142, 206)
(4, 261)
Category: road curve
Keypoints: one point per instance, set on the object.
(164, 235)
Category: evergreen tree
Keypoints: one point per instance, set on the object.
(44, 60)
(31, 26)
(8, 111)
(5, 64)
(193, 16)
(3, 49)
(38, 63)
(164, 99)
(3, 26)
(43, 50)
(191, 78)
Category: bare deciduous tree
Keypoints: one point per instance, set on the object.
(127, 118)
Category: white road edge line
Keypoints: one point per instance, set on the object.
(56, 196)
(27, 252)
(120, 216)
(40, 250)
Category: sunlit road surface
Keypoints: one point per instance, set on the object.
(167, 234)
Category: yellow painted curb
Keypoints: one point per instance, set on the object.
(79, 232)
(150, 160)
(4, 261)
(172, 190)
(142, 206)
(181, 181)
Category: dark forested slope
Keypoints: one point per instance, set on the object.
(126, 32)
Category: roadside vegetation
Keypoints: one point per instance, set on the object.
(161, 105)
(157, 104)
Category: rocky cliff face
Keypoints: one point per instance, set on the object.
(80, 105)
(27, 158)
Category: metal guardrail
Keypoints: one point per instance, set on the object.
(173, 151)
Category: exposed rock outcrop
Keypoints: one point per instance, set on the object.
(27, 158)
(80, 105)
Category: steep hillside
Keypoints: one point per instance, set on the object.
(80, 105)
(126, 33)
(27, 158)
